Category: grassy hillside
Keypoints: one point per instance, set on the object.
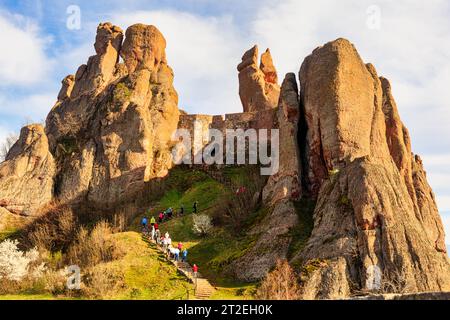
(143, 273)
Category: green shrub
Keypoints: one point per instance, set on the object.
(121, 93)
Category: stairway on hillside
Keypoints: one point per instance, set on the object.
(203, 288)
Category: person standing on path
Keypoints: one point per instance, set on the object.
(194, 207)
(184, 255)
(195, 270)
(153, 233)
(181, 210)
(157, 236)
(176, 252)
(180, 246)
(152, 221)
(144, 222)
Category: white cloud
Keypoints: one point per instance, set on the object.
(412, 49)
(22, 59)
(30, 108)
(204, 53)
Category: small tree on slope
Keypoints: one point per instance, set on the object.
(279, 284)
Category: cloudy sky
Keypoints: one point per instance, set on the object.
(407, 40)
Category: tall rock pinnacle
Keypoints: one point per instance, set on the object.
(258, 85)
(375, 210)
(112, 122)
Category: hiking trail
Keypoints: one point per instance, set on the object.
(203, 288)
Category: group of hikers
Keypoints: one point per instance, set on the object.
(151, 230)
(169, 213)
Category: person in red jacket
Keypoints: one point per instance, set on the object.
(180, 246)
(195, 270)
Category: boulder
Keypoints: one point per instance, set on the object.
(26, 175)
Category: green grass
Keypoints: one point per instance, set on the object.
(9, 233)
(147, 275)
(205, 192)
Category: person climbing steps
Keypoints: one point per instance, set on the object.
(152, 221)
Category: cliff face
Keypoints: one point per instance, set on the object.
(104, 126)
(26, 175)
(374, 207)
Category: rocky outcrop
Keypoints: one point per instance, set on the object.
(279, 194)
(258, 85)
(111, 127)
(26, 176)
(359, 166)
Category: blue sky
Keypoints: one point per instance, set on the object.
(409, 43)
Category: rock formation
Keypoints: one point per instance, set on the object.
(279, 194)
(359, 166)
(258, 85)
(26, 175)
(104, 126)
(342, 146)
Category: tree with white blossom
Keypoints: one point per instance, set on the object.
(15, 264)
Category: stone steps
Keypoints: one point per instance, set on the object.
(203, 290)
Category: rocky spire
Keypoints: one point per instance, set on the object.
(100, 68)
(258, 86)
(358, 165)
(112, 122)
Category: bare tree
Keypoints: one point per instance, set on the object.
(6, 145)
(280, 284)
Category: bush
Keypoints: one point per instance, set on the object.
(16, 265)
(101, 282)
(53, 231)
(280, 284)
(19, 270)
(121, 93)
(92, 248)
(202, 224)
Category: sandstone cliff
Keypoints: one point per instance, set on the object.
(111, 127)
(374, 207)
(26, 175)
